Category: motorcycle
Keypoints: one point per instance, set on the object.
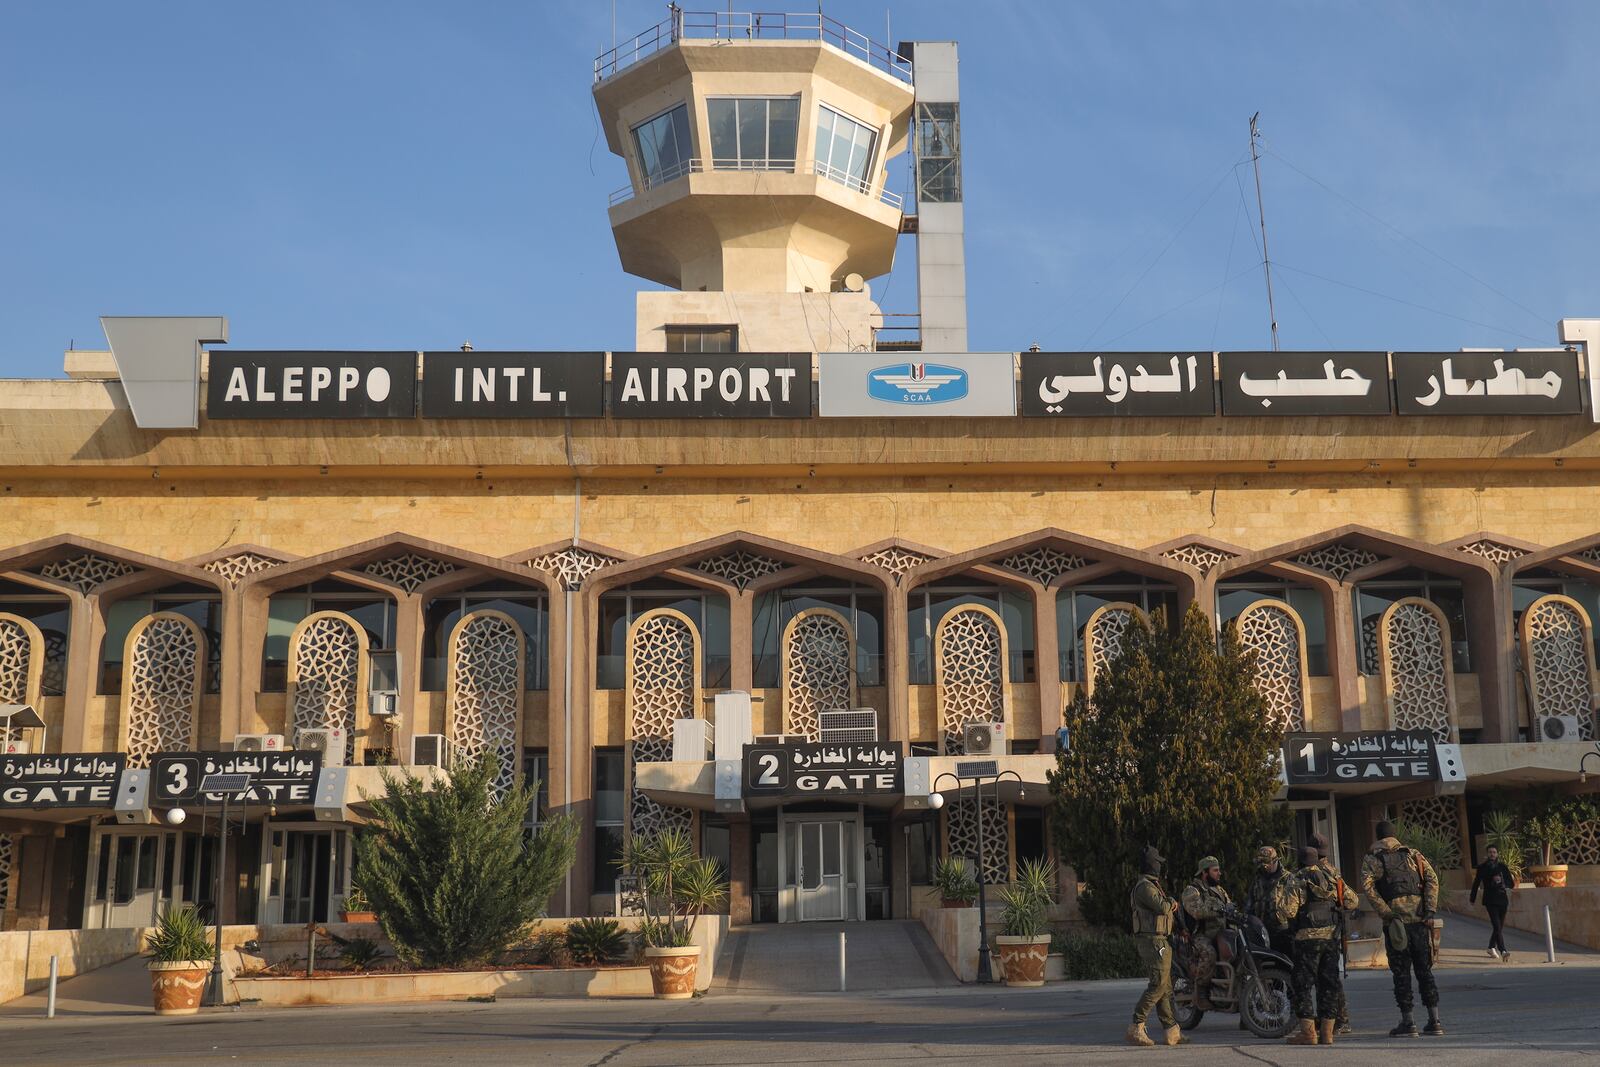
(1251, 979)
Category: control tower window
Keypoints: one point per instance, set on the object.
(663, 146)
(844, 149)
(702, 338)
(753, 133)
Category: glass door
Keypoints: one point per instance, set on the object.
(1316, 817)
(820, 878)
(134, 876)
(307, 871)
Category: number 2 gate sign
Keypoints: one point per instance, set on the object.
(817, 770)
(275, 777)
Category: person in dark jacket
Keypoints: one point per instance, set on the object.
(1494, 878)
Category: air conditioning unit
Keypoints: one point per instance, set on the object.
(18, 747)
(848, 726)
(430, 750)
(984, 738)
(329, 741)
(258, 743)
(383, 705)
(1559, 728)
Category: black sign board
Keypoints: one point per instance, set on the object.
(312, 385)
(275, 777)
(735, 385)
(1377, 756)
(815, 770)
(64, 780)
(1487, 383)
(513, 385)
(1304, 383)
(1117, 383)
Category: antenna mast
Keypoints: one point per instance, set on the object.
(1261, 211)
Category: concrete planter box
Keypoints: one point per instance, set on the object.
(342, 989)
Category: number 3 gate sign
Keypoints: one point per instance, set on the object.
(813, 770)
(1376, 756)
(275, 777)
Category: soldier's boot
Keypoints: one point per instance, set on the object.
(1137, 1036)
(1344, 1025)
(1435, 1028)
(1305, 1035)
(1202, 992)
(1407, 1027)
(1325, 1030)
(1175, 1036)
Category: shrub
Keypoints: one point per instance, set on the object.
(1027, 898)
(1499, 830)
(549, 946)
(359, 953)
(1175, 750)
(591, 941)
(448, 869)
(356, 900)
(179, 937)
(1441, 850)
(954, 880)
(1096, 954)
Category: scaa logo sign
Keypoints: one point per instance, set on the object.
(917, 383)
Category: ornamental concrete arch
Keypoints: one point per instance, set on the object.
(1341, 559)
(1550, 596)
(94, 577)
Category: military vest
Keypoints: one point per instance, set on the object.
(1400, 876)
(1319, 911)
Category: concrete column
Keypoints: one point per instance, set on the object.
(572, 790)
(740, 889)
(897, 663)
(231, 691)
(408, 643)
(1492, 642)
(741, 611)
(88, 629)
(250, 621)
(1343, 656)
(1047, 665)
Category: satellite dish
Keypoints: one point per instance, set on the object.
(854, 283)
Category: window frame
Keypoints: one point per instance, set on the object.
(739, 161)
(686, 158)
(687, 329)
(832, 172)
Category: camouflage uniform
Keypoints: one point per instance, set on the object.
(1152, 924)
(1260, 899)
(1307, 905)
(1387, 859)
(1206, 904)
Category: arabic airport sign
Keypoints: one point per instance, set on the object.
(1487, 383)
(1375, 756)
(1304, 383)
(311, 385)
(275, 777)
(1117, 383)
(60, 780)
(513, 385)
(872, 385)
(735, 385)
(818, 770)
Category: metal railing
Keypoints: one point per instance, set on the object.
(686, 167)
(751, 26)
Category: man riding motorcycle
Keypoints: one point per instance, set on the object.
(1206, 902)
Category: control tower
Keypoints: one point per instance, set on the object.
(757, 148)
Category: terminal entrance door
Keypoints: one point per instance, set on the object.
(131, 877)
(820, 879)
(307, 872)
(1316, 817)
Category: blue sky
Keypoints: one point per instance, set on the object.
(412, 175)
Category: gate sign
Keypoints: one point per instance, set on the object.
(275, 777)
(814, 770)
(64, 780)
(1377, 756)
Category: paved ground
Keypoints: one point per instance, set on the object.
(804, 958)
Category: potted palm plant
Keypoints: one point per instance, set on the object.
(1499, 831)
(1549, 829)
(357, 908)
(678, 887)
(957, 887)
(1025, 944)
(180, 961)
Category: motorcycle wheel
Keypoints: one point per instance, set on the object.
(1183, 1001)
(1267, 1005)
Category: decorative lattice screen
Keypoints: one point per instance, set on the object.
(8, 852)
(663, 685)
(1559, 654)
(485, 701)
(326, 686)
(572, 565)
(1414, 652)
(895, 560)
(1103, 634)
(1439, 814)
(21, 649)
(1585, 847)
(236, 568)
(1044, 565)
(161, 683)
(1272, 628)
(1201, 557)
(961, 828)
(970, 666)
(818, 669)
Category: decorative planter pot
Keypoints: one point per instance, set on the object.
(1022, 959)
(672, 971)
(178, 987)
(358, 916)
(1551, 877)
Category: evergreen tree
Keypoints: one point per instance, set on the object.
(1176, 750)
(449, 870)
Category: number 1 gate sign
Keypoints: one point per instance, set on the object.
(814, 770)
(1374, 756)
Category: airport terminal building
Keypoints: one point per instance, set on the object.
(777, 572)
